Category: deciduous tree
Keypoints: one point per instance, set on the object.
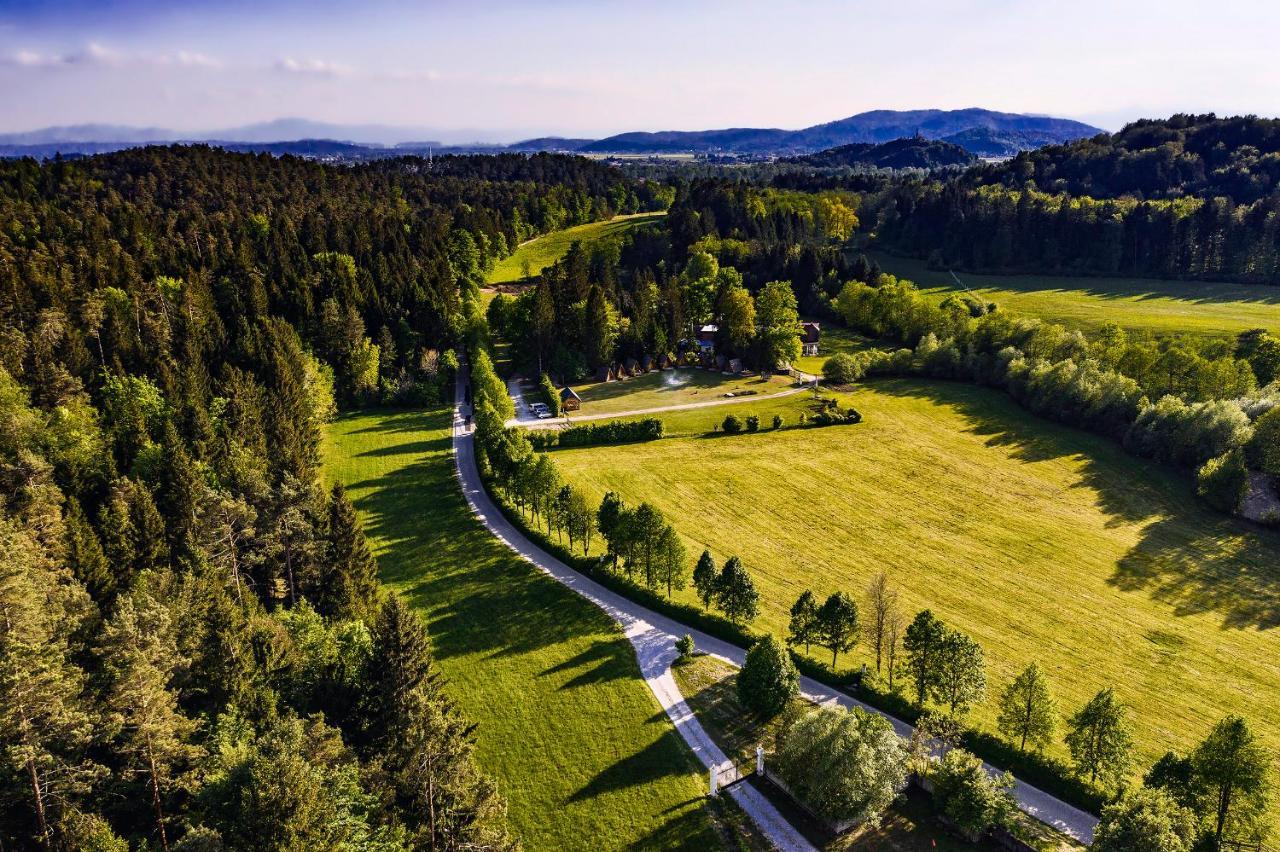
(837, 625)
(1028, 713)
(1099, 739)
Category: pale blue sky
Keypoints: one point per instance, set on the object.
(501, 70)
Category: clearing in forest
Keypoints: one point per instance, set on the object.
(545, 250)
(1138, 304)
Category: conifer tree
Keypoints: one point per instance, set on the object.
(349, 588)
(139, 650)
(44, 724)
(84, 554)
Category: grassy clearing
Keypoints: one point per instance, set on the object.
(567, 727)
(1042, 542)
(710, 689)
(545, 250)
(835, 339)
(1156, 306)
(671, 387)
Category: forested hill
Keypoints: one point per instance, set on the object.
(1184, 197)
(1200, 155)
(194, 648)
(914, 152)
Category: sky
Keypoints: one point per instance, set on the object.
(502, 70)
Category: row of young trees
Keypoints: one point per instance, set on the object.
(640, 543)
(1225, 782)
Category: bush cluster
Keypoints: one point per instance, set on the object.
(613, 432)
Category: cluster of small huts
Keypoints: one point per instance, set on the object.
(635, 367)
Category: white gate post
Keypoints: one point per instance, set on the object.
(759, 760)
(714, 773)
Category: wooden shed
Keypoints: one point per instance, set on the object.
(569, 400)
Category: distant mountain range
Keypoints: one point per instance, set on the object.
(979, 131)
(867, 127)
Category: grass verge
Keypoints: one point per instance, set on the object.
(567, 727)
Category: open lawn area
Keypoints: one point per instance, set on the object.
(1157, 306)
(671, 387)
(835, 339)
(1042, 542)
(567, 728)
(543, 251)
(709, 685)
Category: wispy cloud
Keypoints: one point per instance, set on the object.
(94, 55)
(316, 67)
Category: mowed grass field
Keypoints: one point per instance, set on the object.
(567, 728)
(1042, 542)
(547, 249)
(1157, 306)
(683, 386)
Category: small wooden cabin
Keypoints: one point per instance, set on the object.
(569, 400)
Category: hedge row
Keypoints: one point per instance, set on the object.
(1046, 773)
(593, 434)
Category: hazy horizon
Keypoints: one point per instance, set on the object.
(502, 71)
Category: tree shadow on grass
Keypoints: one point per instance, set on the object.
(651, 764)
(481, 597)
(1189, 557)
(601, 662)
(690, 829)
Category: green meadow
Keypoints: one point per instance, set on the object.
(1137, 304)
(1042, 542)
(567, 728)
(543, 251)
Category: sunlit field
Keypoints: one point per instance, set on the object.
(1042, 542)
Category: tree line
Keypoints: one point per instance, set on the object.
(1219, 791)
(1204, 405)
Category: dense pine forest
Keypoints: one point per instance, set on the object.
(1187, 197)
(194, 649)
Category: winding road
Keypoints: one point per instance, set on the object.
(653, 636)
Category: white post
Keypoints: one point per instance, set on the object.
(759, 760)
(714, 773)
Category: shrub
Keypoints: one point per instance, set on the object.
(845, 765)
(1222, 481)
(684, 646)
(834, 415)
(842, 369)
(768, 678)
(777, 421)
(753, 423)
(968, 796)
(1145, 820)
(731, 425)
